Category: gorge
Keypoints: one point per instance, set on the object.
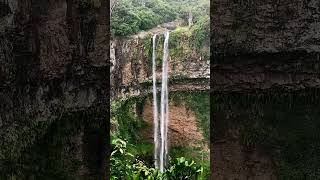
(155, 114)
(160, 97)
(183, 77)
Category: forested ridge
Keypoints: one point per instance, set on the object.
(132, 16)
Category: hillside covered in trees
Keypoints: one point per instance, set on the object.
(143, 31)
(131, 16)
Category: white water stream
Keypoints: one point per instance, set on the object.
(155, 105)
(161, 143)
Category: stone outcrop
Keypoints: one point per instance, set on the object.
(184, 130)
(53, 69)
(131, 58)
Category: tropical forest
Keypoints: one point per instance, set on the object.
(160, 89)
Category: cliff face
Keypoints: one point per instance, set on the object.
(265, 54)
(53, 70)
(184, 127)
(188, 76)
(131, 60)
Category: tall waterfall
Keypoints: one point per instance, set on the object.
(164, 105)
(161, 147)
(155, 105)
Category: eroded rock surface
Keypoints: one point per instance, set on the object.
(132, 62)
(184, 130)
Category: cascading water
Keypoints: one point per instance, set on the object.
(161, 144)
(155, 105)
(164, 105)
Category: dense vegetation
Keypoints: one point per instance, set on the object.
(200, 104)
(132, 155)
(126, 166)
(132, 16)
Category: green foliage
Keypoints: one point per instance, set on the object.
(199, 102)
(201, 105)
(129, 17)
(133, 159)
(201, 32)
(124, 120)
(124, 165)
(148, 18)
(181, 168)
(143, 151)
(198, 8)
(199, 155)
(184, 41)
(178, 36)
(147, 45)
(124, 20)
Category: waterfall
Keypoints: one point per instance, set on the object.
(164, 105)
(161, 147)
(155, 105)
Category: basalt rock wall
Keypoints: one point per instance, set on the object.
(131, 60)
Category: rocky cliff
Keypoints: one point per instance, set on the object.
(188, 73)
(53, 74)
(131, 58)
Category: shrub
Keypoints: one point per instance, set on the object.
(181, 168)
(201, 32)
(129, 17)
(124, 165)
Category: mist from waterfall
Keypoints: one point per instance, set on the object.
(161, 143)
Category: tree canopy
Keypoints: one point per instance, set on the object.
(131, 16)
